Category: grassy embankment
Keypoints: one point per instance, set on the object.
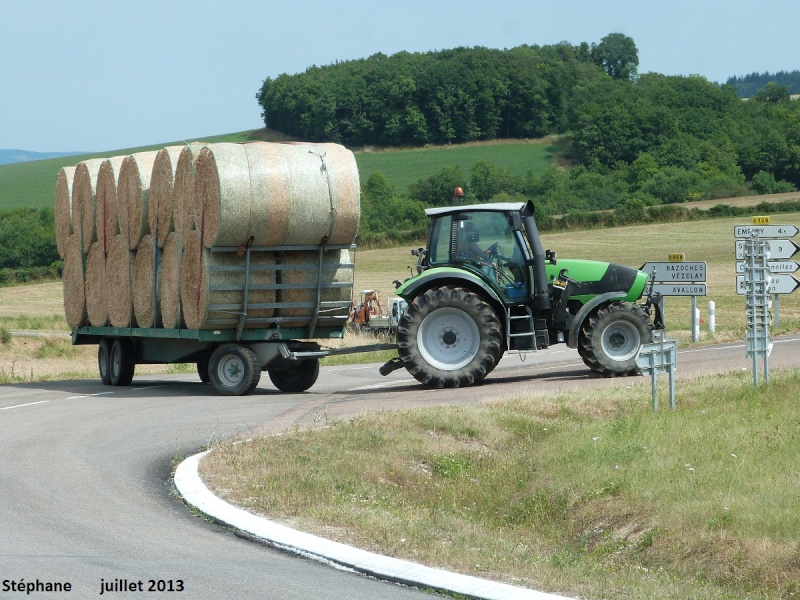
(591, 495)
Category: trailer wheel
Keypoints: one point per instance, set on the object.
(295, 379)
(449, 337)
(122, 363)
(104, 361)
(202, 371)
(611, 337)
(234, 370)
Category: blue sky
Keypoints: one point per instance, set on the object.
(100, 75)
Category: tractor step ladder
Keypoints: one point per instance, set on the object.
(520, 326)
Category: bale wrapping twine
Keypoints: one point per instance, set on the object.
(96, 294)
(63, 208)
(74, 298)
(106, 221)
(298, 194)
(159, 211)
(133, 189)
(199, 276)
(119, 267)
(169, 283)
(146, 304)
(84, 185)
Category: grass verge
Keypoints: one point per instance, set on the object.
(591, 495)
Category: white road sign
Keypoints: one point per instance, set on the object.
(775, 266)
(679, 289)
(765, 231)
(778, 284)
(778, 249)
(676, 271)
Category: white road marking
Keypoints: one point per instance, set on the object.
(21, 405)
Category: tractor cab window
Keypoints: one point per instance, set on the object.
(439, 247)
(486, 240)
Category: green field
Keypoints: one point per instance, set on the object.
(33, 184)
(404, 167)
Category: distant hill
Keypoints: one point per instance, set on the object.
(12, 156)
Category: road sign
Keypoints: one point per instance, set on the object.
(775, 266)
(778, 284)
(778, 249)
(670, 272)
(765, 231)
(679, 289)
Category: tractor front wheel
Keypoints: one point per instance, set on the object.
(610, 338)
(449, 337)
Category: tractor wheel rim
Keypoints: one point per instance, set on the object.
(448, 339)
(231, 371)
(620, 341)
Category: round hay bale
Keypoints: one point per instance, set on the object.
(73, 282)
(119, 267)
(96, 295)
(159, 213)
(297, 194)
(133, 189)
(146, 304)
(300, 269)
(63, 208)
(183, 192)
(222, 187)
(106, 221)
(169, 283)
(84, 186)
(198, 278)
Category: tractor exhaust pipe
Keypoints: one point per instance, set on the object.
(541, 299)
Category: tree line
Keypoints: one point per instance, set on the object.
(748, 86)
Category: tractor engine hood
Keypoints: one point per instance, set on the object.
(597, 278)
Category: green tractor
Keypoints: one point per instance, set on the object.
(485, 286)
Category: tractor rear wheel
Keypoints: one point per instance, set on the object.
(449, 337)
(611, 337)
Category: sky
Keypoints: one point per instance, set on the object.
(101, 75)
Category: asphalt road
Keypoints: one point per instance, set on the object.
(85, 473)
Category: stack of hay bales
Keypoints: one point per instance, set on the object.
(157, 239)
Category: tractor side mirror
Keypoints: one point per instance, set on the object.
(550, 255)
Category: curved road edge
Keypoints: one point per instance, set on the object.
(195, 493)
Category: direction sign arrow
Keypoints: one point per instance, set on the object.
(778, 249)
(775, 266)
(676, 271)
(779, 284)
(765, 231)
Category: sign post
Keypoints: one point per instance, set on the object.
(660, 356)
(771, 241)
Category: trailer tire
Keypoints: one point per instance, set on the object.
(295, 379)
(104, 361)
(202, 371)
(234, 370)
(449, 337)
(122, 362)
(610, 338)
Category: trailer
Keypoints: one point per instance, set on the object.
(231, 351)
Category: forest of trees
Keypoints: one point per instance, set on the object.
(747, 86)
(633, 140)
